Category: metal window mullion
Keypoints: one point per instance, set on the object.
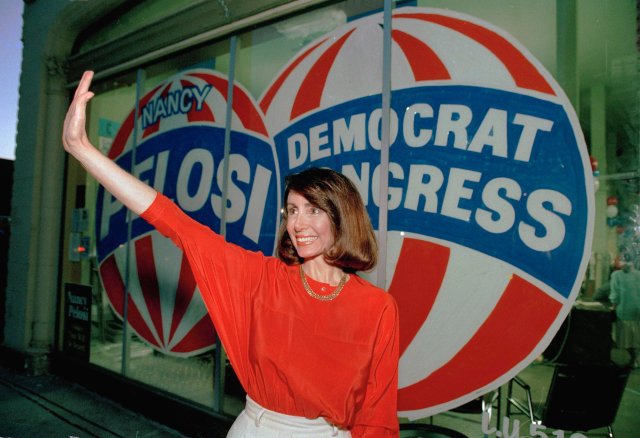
(383, 198)
(126, 338)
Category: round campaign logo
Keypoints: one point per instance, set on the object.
(490, 194)
(180, 152)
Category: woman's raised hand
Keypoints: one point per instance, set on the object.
(74, 134)
(132, 192)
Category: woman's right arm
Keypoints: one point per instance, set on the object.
(129, 190)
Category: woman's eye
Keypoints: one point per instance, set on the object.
(291, 211)
(315, 211)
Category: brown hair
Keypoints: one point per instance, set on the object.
(355, 247)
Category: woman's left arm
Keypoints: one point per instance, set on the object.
(378, 417)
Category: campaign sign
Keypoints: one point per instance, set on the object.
(490, 194)
(180, 152)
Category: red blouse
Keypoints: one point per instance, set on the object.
(294, 354)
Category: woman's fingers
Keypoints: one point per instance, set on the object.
(85, 83)
(74, 130)
(83, 94)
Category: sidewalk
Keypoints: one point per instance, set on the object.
(49, 406)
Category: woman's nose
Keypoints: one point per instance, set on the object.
(300, 222)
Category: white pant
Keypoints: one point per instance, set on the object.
(256, 421)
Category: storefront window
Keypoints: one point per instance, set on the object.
(108, 110)
(298, 101)
(142, 350)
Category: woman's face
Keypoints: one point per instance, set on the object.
(308, 226)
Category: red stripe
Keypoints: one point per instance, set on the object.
(114, 286)
(424, 62)
(148, 278)
(200, 336)
(139, 325)
(243, 106)
(419, 273)
(310, 92)
(194, 115)
(265, 103)
(151, 129)
(184, 293)
(525, 74)
(514, 328)
(120, 140)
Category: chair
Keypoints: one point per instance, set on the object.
(584, 338)
(580, 398)
(419, 430)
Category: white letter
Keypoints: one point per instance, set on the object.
(173, 102)
(186, 100)
(257, 201)
(351, 136)
(507, 432)
(375, 128)
(160, 111)
(535, 430)
(416, 187)
(491, 132)
(498, 205)
(530, 127)
(552, 223)
(486, 419)
(456, 191)
(236, 201)
(184, 198)
(148, 117)
(317, 140)
(293, 143)
(201, 95)
(395, 193)
(408, 126)
(458, 126)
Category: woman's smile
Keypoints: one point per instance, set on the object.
(306, 240)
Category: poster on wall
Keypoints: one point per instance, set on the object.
(490, 193)
(77, 320)
(180, 153)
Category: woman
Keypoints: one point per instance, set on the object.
(314, 345)
(625, 298)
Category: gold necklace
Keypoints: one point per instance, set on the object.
(331, 296)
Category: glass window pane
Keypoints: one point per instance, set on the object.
(148, 351)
